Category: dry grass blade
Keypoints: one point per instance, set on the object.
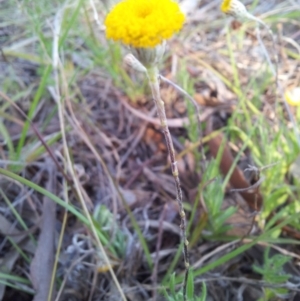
(217, 250)
(78, 187)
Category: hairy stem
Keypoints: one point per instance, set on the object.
(196, 107)
(153, 76)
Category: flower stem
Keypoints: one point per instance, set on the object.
(153, 76)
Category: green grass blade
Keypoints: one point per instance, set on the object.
(33, 106)
(54, 198)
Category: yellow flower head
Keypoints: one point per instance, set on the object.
(293, 96)
(143, 23)
(234, 8)
(225, 7)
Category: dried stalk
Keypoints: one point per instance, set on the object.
(153, 76)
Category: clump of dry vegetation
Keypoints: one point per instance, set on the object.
(87, 198)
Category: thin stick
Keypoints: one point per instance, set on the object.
(153, 76)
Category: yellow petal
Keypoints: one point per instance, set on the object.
(143, 23)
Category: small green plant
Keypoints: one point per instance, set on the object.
(105, 220)
(273, 273)
(214, 196)
(178, 296)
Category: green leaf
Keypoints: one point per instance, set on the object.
(204, 292)
(190, 286)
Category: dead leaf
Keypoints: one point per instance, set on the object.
(237, 179)
(42, 264)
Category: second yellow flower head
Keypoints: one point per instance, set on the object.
(235, 8)
(225, 6)
(143, 23)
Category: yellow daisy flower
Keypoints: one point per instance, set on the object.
(225, 7)
(293, 96)
(143, 23)
(234, 8)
